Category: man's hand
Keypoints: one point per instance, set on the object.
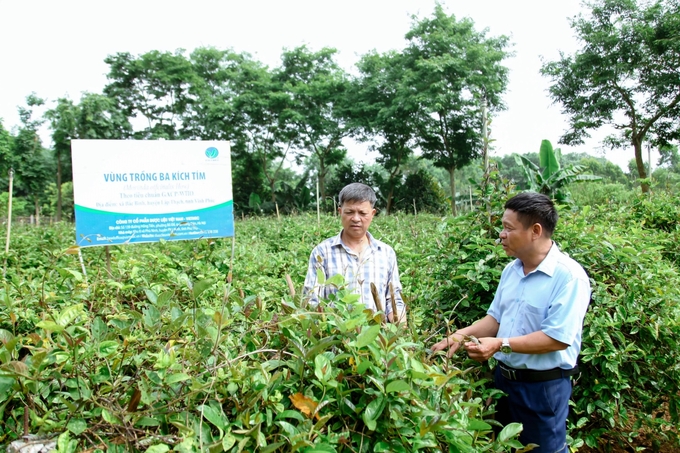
(401, 319)
(484, 349)
(452, 343)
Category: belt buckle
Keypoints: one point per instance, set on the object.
(508, 373)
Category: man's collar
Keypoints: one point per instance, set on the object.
(547, 266)
(372, 242)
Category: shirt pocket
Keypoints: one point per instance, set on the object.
(531, 319)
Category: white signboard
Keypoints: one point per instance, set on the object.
(128, 191)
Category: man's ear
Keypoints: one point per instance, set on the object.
(536, 230)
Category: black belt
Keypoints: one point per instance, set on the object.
(514, 374)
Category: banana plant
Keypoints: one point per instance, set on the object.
(549, 178)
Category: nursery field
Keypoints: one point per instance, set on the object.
(208, 345)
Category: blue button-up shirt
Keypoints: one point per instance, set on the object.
(552, 299)
(376, 264)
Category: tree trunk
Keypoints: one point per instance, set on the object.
(37, 210)
(272, 183)
(58, 186)
(642, 172)
(322, 181)
(452, 179)
(390, 197)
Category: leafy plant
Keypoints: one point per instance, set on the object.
(549, 178)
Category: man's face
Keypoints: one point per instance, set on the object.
(356, 218)
(516, 239)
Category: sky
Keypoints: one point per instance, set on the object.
(57, 48)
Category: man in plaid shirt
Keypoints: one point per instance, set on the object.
(357, 256)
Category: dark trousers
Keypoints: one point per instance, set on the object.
(541, 407)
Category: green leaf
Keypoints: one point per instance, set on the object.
(177, 377)
(50, 326)
(70, 273)
(200, 287)
(272, 447)
(69, 314)
(290, 414)
(151, 295)
(363, 366)
(106, 348)
(77, 426)
(548, 160)
(397, 386)
(158, 448)
(214, 416)
(65, 444)
(98, 328)
(373, 412)
(147, 421)
(367, 335)
(110, 418)
(322, 367)
(152, 316)
(5, 336)
(478, 425)
(228, 441)
(509, 431)
(336, 280)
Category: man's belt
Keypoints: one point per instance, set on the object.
(514, 374)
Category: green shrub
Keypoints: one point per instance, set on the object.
(597, 193)
(153, 350)
(630, 353)
(660, 211)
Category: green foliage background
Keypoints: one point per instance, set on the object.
(169, 345)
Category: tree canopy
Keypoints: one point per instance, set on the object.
(625, 75)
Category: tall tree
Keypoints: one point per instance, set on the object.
(63, 118)
(154, 86)
(95, 117)
(210, 112)
(452, 68)
(318, 87)
(625, 75)
(263, 105)
(384, 108)
(6, 156)
(31, 162)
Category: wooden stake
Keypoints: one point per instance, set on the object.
(318, 208)
(231, 261)
(395, 313)
(9, 209)
(108, 260)
(291, 288)
(378, 302)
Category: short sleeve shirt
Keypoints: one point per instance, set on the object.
(377, 264)
(552, 299)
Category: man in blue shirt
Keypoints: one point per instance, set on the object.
(359, 257)
(533, 326)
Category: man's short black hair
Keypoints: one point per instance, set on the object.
(357, 192)
(531, 208)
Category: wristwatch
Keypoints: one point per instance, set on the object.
(505, 346)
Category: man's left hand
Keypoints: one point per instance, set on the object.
(484, 350)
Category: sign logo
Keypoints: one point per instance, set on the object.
(212, 152)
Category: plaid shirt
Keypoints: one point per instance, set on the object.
(378, 264)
